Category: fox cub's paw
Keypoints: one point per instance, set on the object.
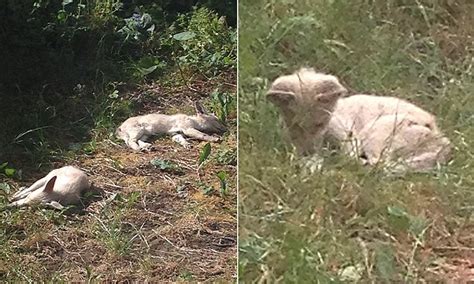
(187, 145)
(215, 139)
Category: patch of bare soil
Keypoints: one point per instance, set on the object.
(148, 224)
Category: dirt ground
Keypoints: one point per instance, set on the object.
(144, 223)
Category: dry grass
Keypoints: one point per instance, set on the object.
(147, 224)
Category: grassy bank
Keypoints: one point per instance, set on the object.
(349, 223)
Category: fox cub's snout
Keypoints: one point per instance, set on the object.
(210, 123)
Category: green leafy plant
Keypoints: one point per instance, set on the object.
(112, 234)
(8, 171)
(223, 182)
(138, 27)
(207, 189)
(206, 44)
(227, 156)
(166, 165)
(148, 65)
(184, 36)
(223, 104)
(205, 152)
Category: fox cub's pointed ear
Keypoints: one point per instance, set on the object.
(279, 97)
(199, 108)
(50, 185)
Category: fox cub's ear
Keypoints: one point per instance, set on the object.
(199, 108)
(50, 185)
(279, 97)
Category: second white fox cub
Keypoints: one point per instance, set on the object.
(136, 130)
(372, 128)
(61, 187)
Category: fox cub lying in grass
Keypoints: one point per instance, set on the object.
(136, 130)
(61, 187)
(372, 128)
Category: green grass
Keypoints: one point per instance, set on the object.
(349, 223)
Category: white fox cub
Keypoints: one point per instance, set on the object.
(136, 130)
(61, 187)
(372, 128)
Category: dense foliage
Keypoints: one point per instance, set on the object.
(60, 57)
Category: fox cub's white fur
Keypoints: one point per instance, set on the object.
(373, 128)
(136, 130)
(64, 186)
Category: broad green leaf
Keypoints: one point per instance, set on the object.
(10, 172)
(222, 175)
(205, 152)
(184, 36)
(62, 15)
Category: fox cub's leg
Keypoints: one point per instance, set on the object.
(134, 139)
(179, 138)
(196, 134)
(143, 145)
(133, 143)
(23, 193)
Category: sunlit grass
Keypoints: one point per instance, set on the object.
(350, 223)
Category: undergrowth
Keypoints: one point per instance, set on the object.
(348, 223)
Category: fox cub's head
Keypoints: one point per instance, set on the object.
(305, 96)
(305, 88)
(209, 123)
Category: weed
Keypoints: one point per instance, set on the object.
(112, 234)
(186, 276)
(222, 104)
(138, 27)
(90, 275)
(127, 201)
(166, 165)
(6, 170)
(207, 43)
(204, 154)
(206, 189)
(223, 183)
(226, 156)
